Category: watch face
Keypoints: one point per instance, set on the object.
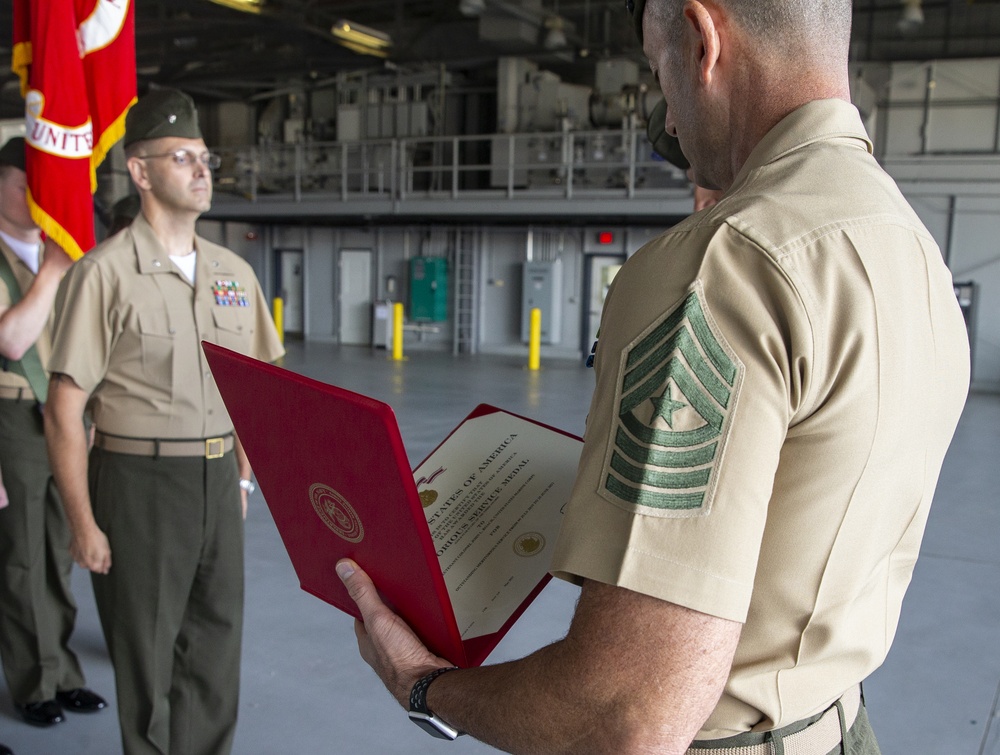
(433, 726)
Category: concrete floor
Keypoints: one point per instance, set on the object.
(305, 690)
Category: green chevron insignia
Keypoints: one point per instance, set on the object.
(678, 385)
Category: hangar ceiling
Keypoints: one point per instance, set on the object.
(217, 52)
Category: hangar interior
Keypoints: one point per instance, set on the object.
(504, 142)
(543, 213)
(474, 159)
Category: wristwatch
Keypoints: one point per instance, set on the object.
(247, 485)
(424, 718)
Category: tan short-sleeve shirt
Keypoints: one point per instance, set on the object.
(129, 326)
(24, 278)
(778, 379)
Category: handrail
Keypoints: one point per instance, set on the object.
(561, 164)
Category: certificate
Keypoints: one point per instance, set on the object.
(493, 494)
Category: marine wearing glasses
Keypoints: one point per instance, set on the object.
(168, 510)
(185, 157)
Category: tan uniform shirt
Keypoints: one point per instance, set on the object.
(778, 379)
(24, 278)
(129, 326)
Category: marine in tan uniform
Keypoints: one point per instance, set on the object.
(37, 610)
(778, 378)
(160, 524)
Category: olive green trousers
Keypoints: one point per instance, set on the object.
(37, 611)
(172, 604)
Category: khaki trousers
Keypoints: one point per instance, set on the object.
(37, 611)
(172, 604)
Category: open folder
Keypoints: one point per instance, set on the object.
(458, 547)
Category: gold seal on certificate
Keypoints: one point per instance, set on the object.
(529, 544)
(428, 497)
(336, 513)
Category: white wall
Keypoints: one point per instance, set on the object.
(967, 228)
(939, 136)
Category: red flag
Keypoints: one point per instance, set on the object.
(76, 61)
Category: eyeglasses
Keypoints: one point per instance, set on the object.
(185, 157)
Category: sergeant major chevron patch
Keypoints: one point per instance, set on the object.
(678, 384)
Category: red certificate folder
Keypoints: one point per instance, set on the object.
(333, 469)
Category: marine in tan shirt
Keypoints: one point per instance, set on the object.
(157, 509)
(761, 445)
(130, 332)
(37, 610)
(778, 378)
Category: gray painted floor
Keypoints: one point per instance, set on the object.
(305, 690)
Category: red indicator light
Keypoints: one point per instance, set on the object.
(605, 237)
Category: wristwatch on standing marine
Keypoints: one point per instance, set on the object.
(247, 485)
(424, 718)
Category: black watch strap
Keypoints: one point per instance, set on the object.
(423, 717)
(418, 695)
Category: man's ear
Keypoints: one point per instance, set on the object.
(703, 28)
(137, 169)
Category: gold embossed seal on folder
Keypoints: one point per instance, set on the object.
(336, 512)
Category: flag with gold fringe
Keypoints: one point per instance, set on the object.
(76, 62)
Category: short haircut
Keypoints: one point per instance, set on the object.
(787, 28)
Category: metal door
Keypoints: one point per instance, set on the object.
(601, 270)
(291, 290)
(356, 296)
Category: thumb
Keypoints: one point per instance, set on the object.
(359, 586)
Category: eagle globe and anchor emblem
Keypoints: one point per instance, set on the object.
(336, 513)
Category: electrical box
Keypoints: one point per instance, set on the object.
(429, 289)
(542, 289)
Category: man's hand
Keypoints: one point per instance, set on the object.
(21, 324)
(91, 550)
(55, 259)
(386, 643)
(634, 674)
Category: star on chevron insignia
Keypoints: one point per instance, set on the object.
(664, 407)
(678, 384)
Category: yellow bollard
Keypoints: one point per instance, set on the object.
(397, 332)
(278, 312)
(535, 339)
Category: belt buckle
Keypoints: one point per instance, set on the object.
(217, 443)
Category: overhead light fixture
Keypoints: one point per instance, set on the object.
(362, 39)
(912, 18)
(555, 37)
(247, 6)
(472, 8)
